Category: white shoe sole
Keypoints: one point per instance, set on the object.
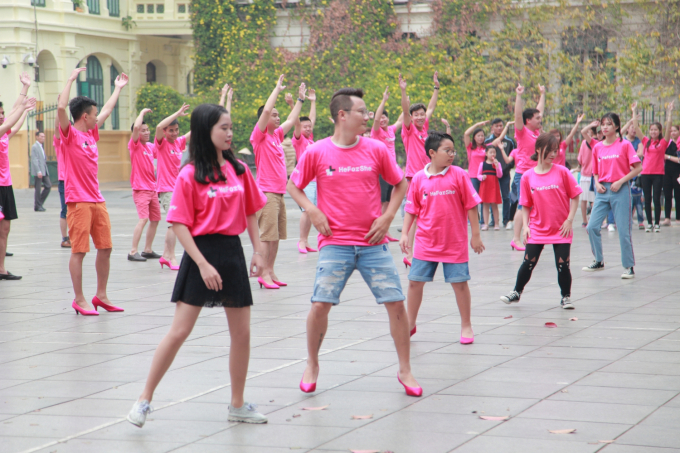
(508, 302)
(134, 423)
(246, 420)
(627, 277)
(587, 269)
(568, 306)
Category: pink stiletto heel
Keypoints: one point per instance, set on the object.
(413, 331)
(411, 391)
(82, 311)
(96, 302)
(280, 283)
(165, 262)
(407, 263)
(309, 249)
(262, 283)
(516, 247)
(307, 388)
(301, 249)
(466, 340)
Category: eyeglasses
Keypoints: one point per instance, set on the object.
(451, 153)
(362, 112)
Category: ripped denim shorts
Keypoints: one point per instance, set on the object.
(375, 263)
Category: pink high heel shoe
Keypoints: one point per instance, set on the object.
(280, 283)
(407, 263)
(301, 249)
(519, 248)
(466, 340)
(309, 249)
(411, 391)
(82, 311)
(262, 283)
(96, 302)
(307, 388)
(165, 262)
(413, 331)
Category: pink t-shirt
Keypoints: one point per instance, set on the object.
(348, 187)
(142, 175)
(388, 137)
(80, 160)
(301, 144)
(585, 157)
(612, 162)
(169, 157)
(526, 147)
(56, 142)
(548, 195)
(270, 160)
(215, 208)
(441, 203)
(561, 158)
(414, 146)
(5, 175)
(475, 157)
(654, 156)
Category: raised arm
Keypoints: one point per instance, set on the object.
(295, 113)
(636, 124)
(404, 103)
(312, 108)
(541, 101)
(448, 126)
(519, 121)
(269, 105)
(138, 124)
(381, 109)
(160, 134)
(498, 142)
(19, 113)
(223, 94)
(18, 124)
(399, 122)
(570, 137)
(26, 83)
(587, 132)
(466, 136)
(435, 95)
(65, 95)
(669, 122)
(120, 82)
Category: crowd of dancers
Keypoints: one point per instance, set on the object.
(350, 187)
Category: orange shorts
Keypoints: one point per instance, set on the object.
(85, 220)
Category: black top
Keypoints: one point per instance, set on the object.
(508, 145)
(488, 169)
(671, 168)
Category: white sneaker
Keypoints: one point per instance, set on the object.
(138, 413)
(628, 274)
(566, 303)
(509, 225)
(611, 228)
(657, 228)
(246, 414)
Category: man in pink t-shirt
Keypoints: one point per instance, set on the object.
(270, 160)
(387, 134)
(527, 129)
(10, 125)
(413, 134)
(87, 214)
(143, 182)
(351, 227)
(63, 225)
(169, 147)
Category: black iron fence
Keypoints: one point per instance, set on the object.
(43, 119)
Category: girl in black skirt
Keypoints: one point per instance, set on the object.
(215, 200)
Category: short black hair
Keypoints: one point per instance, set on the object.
(132, 128)
(496, 121)
(527, 114)
(305, 118)
(259, 111)
(0, 104)
(415, 107)
(173, 123)
(434, 140)
(80, 105)
(342, 100)
(385, 113)
(37, 133)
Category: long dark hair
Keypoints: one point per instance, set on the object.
(658, 139)
(202, 153)
(475, 145)
(616, 121)
(545, 143)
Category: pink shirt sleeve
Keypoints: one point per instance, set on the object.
(413, 199)
(181, 142)
(571, 186)
(182, 203)
(633, 158)
(596, 170)
(499, 170)
(468, 194)
(254, 198)
(525, 193)
(389, 170)
(305, 170)
(480, 176)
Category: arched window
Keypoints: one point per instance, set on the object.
(93, 87)
(150, 72)
(115, 119)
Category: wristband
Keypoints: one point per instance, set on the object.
(22, 94)
(436, 88)
(301, 100)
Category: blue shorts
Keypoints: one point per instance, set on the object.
(375, 263)
(310, 191)
(62, 197)
(516, 189)
(423, 271)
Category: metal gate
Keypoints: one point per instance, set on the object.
(43, 119)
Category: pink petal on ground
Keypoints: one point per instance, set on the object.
(550, 324)
(508, 317)
(320, 408)
(573, 319)
(488, 417)
(562, 431)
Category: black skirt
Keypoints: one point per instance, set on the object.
(225, 254)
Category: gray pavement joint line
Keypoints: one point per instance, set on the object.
(183, 400)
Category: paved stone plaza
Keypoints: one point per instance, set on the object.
(67, 381)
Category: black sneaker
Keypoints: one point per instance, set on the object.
(566, 303)
(135, 257)
(513, 296)
(595, 266)
(629, 273)
(151, 255)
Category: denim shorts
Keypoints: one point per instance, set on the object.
(423, 271)
(310, 191)
(375, 263)
(516, 189)
(62, 198)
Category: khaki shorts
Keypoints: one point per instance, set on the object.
(165, 198)
(85, 220)
(272, 218)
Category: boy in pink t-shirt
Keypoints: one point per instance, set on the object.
(63, 225)
(550, 195)
(442, 198)
(413, 134)
(87, 214)
(351, 227)
(270, 160)
(143, 182)
(168, 151)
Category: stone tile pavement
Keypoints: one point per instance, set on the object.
(67, 382)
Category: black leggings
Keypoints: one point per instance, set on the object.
(651, 189)
(531, 256)
(671, 186)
